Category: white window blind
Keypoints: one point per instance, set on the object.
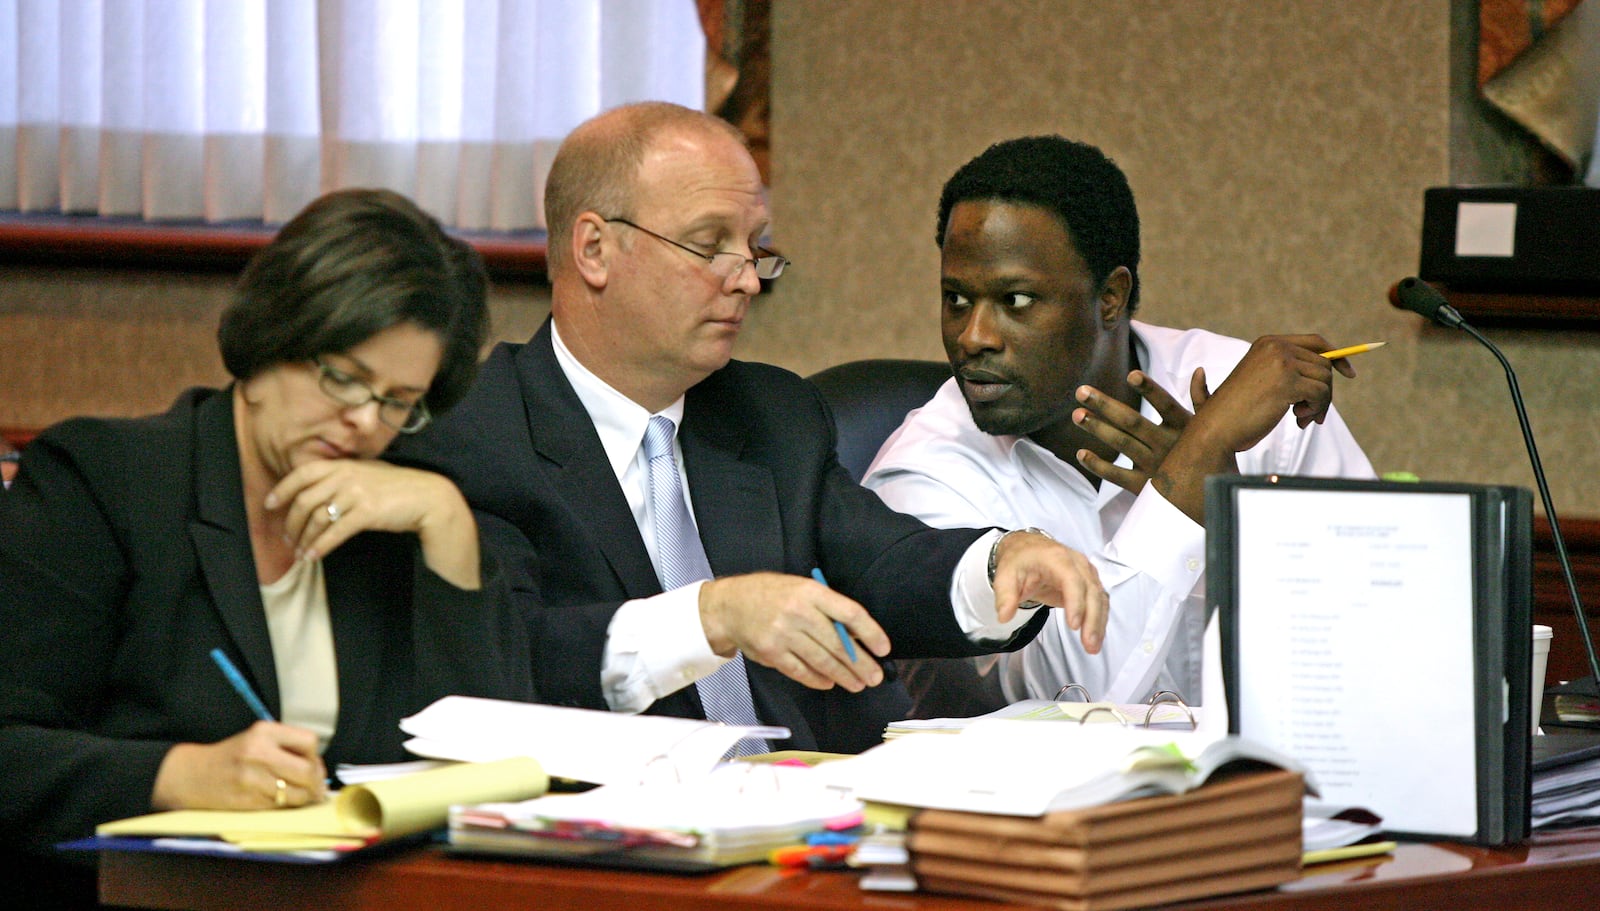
(223, 110)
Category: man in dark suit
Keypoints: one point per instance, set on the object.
(655, 212)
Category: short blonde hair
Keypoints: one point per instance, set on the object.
(597, 167)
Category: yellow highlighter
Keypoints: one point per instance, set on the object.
(1353, 349)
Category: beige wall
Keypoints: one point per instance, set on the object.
(1278, 149)
(122, 341)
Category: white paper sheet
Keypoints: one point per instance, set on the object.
(1356, 647)
(582, 744)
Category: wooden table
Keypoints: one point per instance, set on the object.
(1554, 872)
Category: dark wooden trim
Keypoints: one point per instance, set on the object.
(1554, 871)
(84, 240)
(1540, 311)
(18, 437)
(1552, 603)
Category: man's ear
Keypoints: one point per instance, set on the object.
(591, 250)
(1114, 296)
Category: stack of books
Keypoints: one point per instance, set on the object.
(1081, 817)
(1232, 835)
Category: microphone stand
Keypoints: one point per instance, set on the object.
(1422, 298)
(1589, 686)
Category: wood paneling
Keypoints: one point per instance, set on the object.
(1552, 602)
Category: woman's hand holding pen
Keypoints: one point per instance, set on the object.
(329, 501)
(266, 765)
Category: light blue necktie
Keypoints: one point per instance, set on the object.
(680, 560)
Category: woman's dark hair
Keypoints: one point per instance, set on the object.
(349, 266)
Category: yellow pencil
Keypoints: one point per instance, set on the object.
(1368, 849)
(1353, 349)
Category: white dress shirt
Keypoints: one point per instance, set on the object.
(656, 646)
(1151, 557)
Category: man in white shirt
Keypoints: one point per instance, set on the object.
(1057, 390)
(627, 409)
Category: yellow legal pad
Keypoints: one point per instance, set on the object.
(357, 816)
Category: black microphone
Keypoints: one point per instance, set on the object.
(1418, 296)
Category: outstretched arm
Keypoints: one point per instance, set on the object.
(1034, 567)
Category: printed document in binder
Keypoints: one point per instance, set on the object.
(1380, 633)
(577, 744)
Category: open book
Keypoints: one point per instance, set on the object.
(1024, 768)
(736, 814)
(356, 817)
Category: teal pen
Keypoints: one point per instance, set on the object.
(844, 634)
(241, 685)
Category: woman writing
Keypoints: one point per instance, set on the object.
(255, 519)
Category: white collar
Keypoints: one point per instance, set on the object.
(619, 420)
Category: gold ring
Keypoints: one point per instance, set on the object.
(281, 798)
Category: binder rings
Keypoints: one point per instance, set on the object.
(1381, 634)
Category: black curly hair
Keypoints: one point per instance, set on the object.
(1075, 180)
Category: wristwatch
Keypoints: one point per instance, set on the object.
(994, 557)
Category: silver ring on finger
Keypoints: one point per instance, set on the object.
(334, 512)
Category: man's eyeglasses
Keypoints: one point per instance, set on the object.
(723, 264)
(404, 416)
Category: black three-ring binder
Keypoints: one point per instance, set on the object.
(1381, 633)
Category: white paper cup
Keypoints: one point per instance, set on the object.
(1541, 657)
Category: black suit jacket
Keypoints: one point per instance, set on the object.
(125, 558)
(768, 493)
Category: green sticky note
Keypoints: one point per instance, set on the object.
(1400, 476)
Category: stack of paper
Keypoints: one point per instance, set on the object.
(885, 862)
(736, 814)
(578, 744)
(1068, 766)
(1566, 780)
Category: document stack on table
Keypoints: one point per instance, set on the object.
(487, 750)
(736, 814)
(1566, 780)
(1086, 817)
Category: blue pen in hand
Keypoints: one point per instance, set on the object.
(241, 685)
(844, 634)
